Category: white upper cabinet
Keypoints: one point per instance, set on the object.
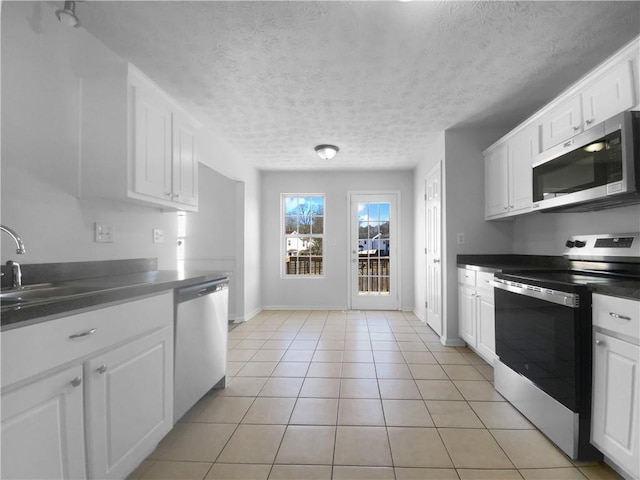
(496, 178)
(137, 144)
(601, 94)
(611, 94)
(521, 152)
(508, 175)
(562, 123)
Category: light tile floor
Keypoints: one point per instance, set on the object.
(355, 395)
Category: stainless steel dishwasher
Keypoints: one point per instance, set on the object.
(200, 357)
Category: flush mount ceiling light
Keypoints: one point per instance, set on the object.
(67, 15)
(327, 152)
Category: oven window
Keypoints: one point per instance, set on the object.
(593, 165)
(538, 340)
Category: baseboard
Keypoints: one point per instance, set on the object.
(302, 307)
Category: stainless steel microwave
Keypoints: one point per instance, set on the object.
(597, 169)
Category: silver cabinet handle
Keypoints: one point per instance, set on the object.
(618, 316)
(575, 129)
(76, 382)
(101, 369)
(589, 121)
(82, 334)
(568, 144)
(436, 260)
(600, 343)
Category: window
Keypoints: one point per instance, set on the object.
(303, 233)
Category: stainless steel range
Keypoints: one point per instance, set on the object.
(544, 336)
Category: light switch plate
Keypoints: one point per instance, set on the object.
(460, 238)
(103, 232)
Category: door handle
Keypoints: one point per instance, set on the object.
(82, 334)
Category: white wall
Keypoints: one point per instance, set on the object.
(42, 61)
(462, 212)
(40, 139)
(545, 233)
(212, 232)
(331, 291)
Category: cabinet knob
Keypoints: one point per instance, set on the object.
(575, 129)
(76, 381)
(101, 369)
(618, 316)
(600, 343)
(589, 121)
(167, 194)
(436, 260)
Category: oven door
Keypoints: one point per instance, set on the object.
(538, 336)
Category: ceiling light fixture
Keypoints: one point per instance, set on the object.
(67, 15)
(327, 152)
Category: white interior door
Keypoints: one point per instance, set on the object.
(374, 251)
(433, 248)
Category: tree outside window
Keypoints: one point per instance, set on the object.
(303, 220)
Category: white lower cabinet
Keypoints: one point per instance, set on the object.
(615, 424)
(89, 395)
(476, 312)
(126, 408)
(43, 428)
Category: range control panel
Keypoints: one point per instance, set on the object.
(603, 246)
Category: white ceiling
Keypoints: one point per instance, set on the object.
(378, 79)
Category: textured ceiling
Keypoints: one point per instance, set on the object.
(378, 79)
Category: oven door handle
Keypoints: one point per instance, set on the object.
(561, 298)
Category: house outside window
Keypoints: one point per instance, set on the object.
(303, 234)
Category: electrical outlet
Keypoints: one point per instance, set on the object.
(103, 232)
(460, 238)
(158, 235)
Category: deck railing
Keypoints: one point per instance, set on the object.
(373, 271)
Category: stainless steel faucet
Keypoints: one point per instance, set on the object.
(16, 273)
(16, 238)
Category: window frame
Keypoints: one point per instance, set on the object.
(284, 236)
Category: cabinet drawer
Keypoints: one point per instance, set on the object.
(619, 315)
(482, 281)
(33, 349)
(466, 277)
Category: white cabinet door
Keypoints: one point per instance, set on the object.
(496, 183)
(152, 156)
(466, 313)
(486, 321)
(562, 123)
(129, 401)
(608, 96)
(615, 428)
(521, 150)
(43, 429)
(185, 165)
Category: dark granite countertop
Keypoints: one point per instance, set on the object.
(501, 263)
(114, 281)
(511, 263)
